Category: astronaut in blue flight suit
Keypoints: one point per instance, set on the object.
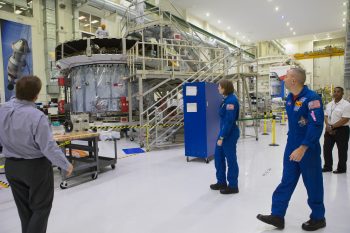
(302, 154)
(227, 141)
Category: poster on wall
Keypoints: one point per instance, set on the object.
(16, 45)
(277, 76)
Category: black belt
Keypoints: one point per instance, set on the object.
(14, 159)
(21, 159)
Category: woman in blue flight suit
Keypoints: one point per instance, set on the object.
(227, 141)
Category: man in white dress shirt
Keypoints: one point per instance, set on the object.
(337, 117)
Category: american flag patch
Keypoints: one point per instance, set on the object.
(230, 107)
(314, 104)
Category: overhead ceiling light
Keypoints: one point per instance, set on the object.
(18, 12)
(0, 6)
(207, 14)
(228, 28)
(291, 29)
(344, 3)
(3, 3)
(81, 17)
(277, 8)
(249, 41)
(344, 13)
(219, 21)
(86, 25)
(237, 33)
(344, 25)
(243, 37)
(282, 16)
(287, 24)
(294, 33)
(95, 21)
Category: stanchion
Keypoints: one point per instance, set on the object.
(273, 131)
(265, 124)
(283, 122)
(147, 138)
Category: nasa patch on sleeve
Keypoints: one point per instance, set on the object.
(230, 107)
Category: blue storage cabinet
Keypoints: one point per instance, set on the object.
(201, 117)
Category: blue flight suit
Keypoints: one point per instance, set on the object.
(305, 117)
(229, 131)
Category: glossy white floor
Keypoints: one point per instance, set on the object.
(159, 192)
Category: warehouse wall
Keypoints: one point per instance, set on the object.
(36, 23)
(329, 71)
(321, 71)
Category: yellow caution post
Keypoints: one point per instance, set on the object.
(147, 139)
(273, 132)
(265, 124)
(283, 121)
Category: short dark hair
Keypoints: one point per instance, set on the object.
(227, 86)
(342, 89)
(28, 87)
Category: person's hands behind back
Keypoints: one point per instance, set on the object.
(70, 170)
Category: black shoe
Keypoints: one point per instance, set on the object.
(229, 190)
(272, 220)
(218, 186)
(339, 171)
(326, 169)
(313, 225)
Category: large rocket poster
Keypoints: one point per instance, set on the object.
(16, 53)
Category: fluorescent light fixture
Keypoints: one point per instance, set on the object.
(81, 17)
(294, 33)
(18, 12)
(237, 33)
(219, 21)
(3, 3)
(287, 24)
(207, 14)
(344, 13)
(344, 25)
(344, 3)
(95, 21)
(282, 16)
(86, 25)
(243, 37)
(0, 6)
(228, 28)
(291, 29)
(277, 8)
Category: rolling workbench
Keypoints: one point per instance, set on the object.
(89, 165)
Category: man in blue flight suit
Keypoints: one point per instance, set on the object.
(302, 154)
(227, 142)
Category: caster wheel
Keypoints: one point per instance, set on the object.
(113, 166)
(132, 139)
(64, 185)
(187, 159)
(94, 176)
(206, 160)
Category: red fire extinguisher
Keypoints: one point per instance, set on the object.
(124, 104)
(61, 107)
